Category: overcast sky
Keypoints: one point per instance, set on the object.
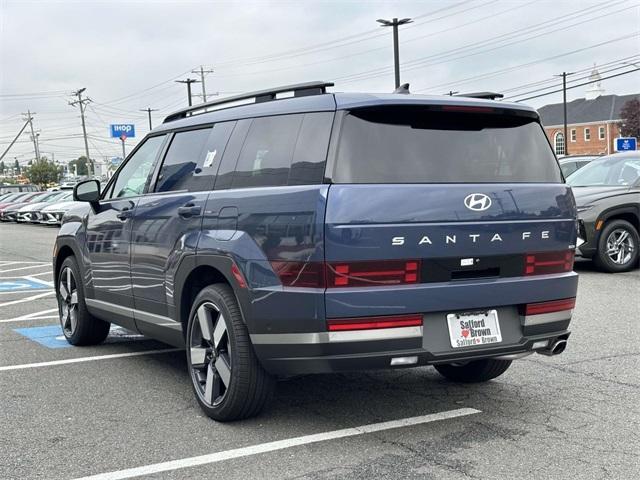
(128, 53)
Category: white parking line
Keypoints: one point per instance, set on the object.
(85, 359)
(279, 445)
(31, 316)
(30, 275)
(4, 263)
(25, 268)
(27, 299)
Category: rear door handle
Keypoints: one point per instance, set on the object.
(189, 210)
(124, 214)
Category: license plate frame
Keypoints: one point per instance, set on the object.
(482, 327)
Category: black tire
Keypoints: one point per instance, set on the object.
(78, 325)
(475, 371)
(214, 355)
(602, 258)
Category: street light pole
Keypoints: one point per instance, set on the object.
(395, 23)
(188, 81)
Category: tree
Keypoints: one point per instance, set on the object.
(79, 166)
(2, 167)
(43, 172)
(16, 167)
(630, 114)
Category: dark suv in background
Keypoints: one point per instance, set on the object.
(326, 232)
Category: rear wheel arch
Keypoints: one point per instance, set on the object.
(190, 281)
(630, 214)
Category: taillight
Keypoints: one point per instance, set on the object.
(300, 274)
(372, 323)
(550, 307)
(347, 274)
(548, 262)
(373, 273)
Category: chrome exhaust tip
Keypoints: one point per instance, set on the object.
(556, 348)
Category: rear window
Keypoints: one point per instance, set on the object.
(415, 145)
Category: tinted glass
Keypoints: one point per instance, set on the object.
(181, 161)
(310, 155)
(267, 153)
(415, 145)
(614, 171)
(231, 153)
(568, 168)
(134, 174)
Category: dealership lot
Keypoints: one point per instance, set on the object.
(126, 408)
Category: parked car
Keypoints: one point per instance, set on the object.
(323, 233)
(52, 214)
(572, 163)
(9, 211)
(607, 193)
(16, 188)
(32, 212)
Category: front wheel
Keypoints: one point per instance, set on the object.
(229, 382)
(617, 247)
(475, 371)
(78, 325)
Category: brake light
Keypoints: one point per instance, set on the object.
(372, 323)
(300, 274)
(347, 274)
(550, 307)
(373, 273)
(468, 109)
(548, 262)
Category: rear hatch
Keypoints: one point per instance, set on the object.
(426, 194)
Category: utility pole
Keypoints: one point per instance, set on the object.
(564, 107)
(188, 81)
(81, 102)
(34, 139)
(395, 23)
(202, 72)
(451, 93)
(149, 110)
(27, 122)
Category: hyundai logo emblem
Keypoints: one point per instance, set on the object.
(478, 202)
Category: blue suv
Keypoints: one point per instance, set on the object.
(294, 231)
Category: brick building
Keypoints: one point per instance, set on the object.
(592, 122)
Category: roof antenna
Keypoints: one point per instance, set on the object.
(403, 89)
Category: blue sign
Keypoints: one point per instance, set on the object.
(120, 129)
(626, 144)
(15, 285)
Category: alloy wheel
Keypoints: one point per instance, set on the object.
(68, 302)
(620, 246)
(210, 354)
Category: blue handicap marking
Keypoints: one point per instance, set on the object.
(50, 337)
(21, 284)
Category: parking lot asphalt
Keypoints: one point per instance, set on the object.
(70, 412)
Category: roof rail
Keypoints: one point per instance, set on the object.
(485, 95)
(298, 89)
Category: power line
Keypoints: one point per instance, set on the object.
(578, 85)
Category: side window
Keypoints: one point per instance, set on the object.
(310, 156)
(209, 162)
(267, 153)
(181, 161)
(230, 157)
(133, 176)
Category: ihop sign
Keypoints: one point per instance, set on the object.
(118, 130)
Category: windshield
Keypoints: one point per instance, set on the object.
(417, 145)
(607, 171)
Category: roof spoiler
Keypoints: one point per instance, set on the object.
(483, 95)
(298, 89)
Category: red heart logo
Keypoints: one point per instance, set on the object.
(465, 333)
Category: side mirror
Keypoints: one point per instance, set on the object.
(87, 191)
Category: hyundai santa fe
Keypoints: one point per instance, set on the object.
(326, 232)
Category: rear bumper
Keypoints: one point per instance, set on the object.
(325, 352)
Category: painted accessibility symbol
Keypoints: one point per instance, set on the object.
(10, 286)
